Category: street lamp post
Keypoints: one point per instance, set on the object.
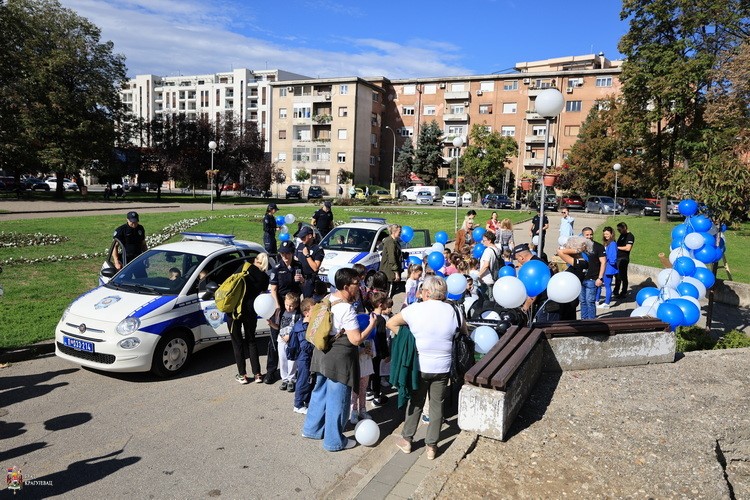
(212, 147)
(616, 167)
(393, 164)
(457, 143)
(549, 103)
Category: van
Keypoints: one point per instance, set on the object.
(410, 193)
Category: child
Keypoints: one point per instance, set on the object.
(382, 305)
(304, 386)
(285, 324)
(359, 402)
(359, 302)
(412, 282)
(174, 274)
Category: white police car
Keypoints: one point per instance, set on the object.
(155, 312)
(361, 242)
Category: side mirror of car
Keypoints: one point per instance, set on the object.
(211, 287)
(108, 272)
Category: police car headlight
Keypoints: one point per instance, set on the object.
(128, 325)
(129, 343)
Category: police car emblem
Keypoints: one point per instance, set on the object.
(82, 328)
(214, 317)
(107, 301)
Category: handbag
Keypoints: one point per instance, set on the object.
(462, 353)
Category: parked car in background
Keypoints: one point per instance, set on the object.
(257, 193)
(601, 205)
(486, 199)
(410, 193)
(68, 185)
(7, 183)
(550, 202)
(502, 201)
(424, 198)
(382, 194)
(640, 206)
(467, 199)
(673, 207)
(293, 191)
(314, 192)
(451, 199)
(35, 184)
(571, 202)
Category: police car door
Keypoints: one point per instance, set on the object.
(108, 266)
(214, 326)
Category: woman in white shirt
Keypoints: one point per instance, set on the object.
(433, 323)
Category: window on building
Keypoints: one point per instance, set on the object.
(375, 97)
(575, 82)
(281, 158)
(343, 89)
(302, 111)
(603, 81)
(487, 128)
(407, 110)
(572, 130)
(457, 109)
(510, 108)
(342, 134)
(372, 160)
(454, 152)
(282, 91)
(454, 130)
(508, 131)
(539, 130)
(282, 134)
(458, 87)
(282, 112)
(430, 110)
(409, 90)
(573, 106)
(321, 153)
(430, 88)
(341, 158)
(302, 133)
(406, 131)
(301, 154)
(485, 109)
(343, 111)
(374, 119)
(602, 105)
(374, 140)
(487, 86)
(512, 85)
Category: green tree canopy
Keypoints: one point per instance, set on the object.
(483, 163)
(429, 155)
(404, 164)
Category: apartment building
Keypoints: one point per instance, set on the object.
(325, 126)
(504, 103)
(241, 94)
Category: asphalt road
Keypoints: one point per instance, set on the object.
(84, 434)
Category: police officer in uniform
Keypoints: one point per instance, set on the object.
(286, 276)
(322, 219)
(270, 228)
(133, 238)
(310, 257)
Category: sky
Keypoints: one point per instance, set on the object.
(328, 38)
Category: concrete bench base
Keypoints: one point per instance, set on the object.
(490, 412)
(584, 352)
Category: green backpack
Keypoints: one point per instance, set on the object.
(229, 295)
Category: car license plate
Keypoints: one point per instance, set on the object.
(323, 278)
(78, 345)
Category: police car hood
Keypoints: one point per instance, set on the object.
(111, 305)
(342, 257)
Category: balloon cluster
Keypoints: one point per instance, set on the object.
(281, 223)
(694, 244)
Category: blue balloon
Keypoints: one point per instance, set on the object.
(674, 244)
(645, 293)
(684, 265)
(670, 313)
(534, 275)
(704, 276)
(436, 260)
(690, 311)
(413, 259)
(688, 207)
(441, 237)
(688, 290)
(506, 271)
(679, 232)
(454, 296)
(709, 238)
(701, 223)
(407, 233)
(438, 273)
(723, 228)
(719, 253)
(477, 233)
(478, 250)
(280, 220)
(705, 254)
(284, 236)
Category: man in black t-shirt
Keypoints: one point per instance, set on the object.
(133, 238)
(594, 276)
(310, 257)
(624, 247)
(537, 228)
(322, 219)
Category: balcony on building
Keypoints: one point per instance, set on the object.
(538, 139)
(533, 115)
(448, 139)
(536, 162)
(252, 105)
(456, 117)
(322, 93)
(462, 96)
(159, 97)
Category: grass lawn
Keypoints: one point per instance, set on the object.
(36, 293)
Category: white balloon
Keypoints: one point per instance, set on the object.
(491, 315)
(694, 241)
(367, 432)
(289, 218)
(484, 337)
(713, 230)
(283, 229)
(640, 312)
(669, 293)
(700, 286)
(563, 288)
(652, 301)
(456, 283)
(668, 278)
(699, 263)
(474, 274)
(535, 240)
(438, 247)
(562, 240)
(693, 300)
(264, 305)
(679, 252)
(510, 291)
(468, 302)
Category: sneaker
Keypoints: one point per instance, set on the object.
(385, 383)
(268, 379)
(603, 306)
(425, 419)
(369, 395)
(290, 386)
(431, 452)
(283, 385)
(350, 443)
(241, 379)
(363, 415)
(354, 418)
(403, 444)
(302, 410)
(258, 378)
(383, 399)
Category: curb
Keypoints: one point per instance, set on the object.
(27, 353)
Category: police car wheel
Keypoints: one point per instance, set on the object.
(171, 354)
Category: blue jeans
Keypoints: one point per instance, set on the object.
(607, 286)
(588, 299)
(303, 388)
(328, 413)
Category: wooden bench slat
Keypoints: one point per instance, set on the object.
(501, 379)
(473, 372)
(503, 356)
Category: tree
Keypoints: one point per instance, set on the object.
(404, 164)
(66, 96)
(429, 156)
(485, 158)
(278, 177)
(302, 175)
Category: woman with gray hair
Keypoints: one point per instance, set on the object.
(433, 322)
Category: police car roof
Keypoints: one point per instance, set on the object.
(206, 248)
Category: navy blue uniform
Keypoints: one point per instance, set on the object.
(323, 221)
(269, 233)
(310, 276)
(132, 238)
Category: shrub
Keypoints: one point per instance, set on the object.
(733, 340)
(693, 338)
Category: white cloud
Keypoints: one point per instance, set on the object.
(168, 37)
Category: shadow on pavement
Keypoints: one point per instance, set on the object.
(537, 404)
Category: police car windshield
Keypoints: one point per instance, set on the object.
(349, 239)
(157, 272)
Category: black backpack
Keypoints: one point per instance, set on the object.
(462, 355)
